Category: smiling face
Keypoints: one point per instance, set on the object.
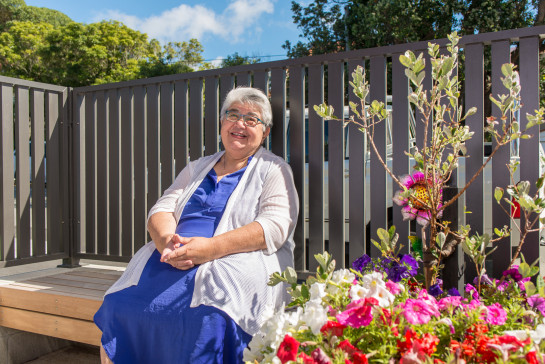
(239, 140)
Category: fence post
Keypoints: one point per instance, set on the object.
(68, 154)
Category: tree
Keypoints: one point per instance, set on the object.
(17, 10)
(327, 28)
(21, 50)
(237, 60)
(174, 57)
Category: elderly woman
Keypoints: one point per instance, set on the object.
(198, 291)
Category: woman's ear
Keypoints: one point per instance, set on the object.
(266, 134)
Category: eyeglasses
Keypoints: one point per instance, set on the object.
(248, 120)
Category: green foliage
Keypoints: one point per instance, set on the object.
(17, 10)
(76, 54)
(326, 27)
(237, 60)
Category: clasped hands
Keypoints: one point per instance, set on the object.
(184, 253)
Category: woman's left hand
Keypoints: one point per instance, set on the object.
(189, 252)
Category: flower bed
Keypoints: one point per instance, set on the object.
(379, 312)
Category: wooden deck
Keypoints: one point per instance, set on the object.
(57, 302)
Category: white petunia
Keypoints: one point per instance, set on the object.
(538, 334)
(358, 292)
(315, 316)
(343, 276)
(384, 297)
(373, 280)
(317, 292)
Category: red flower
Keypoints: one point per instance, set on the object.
(531, 358)
(354, 355)
(347, 347)
(333, 328)
(359, 358)
(288, 349)
(307, 359)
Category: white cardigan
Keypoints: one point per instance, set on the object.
(237, 283)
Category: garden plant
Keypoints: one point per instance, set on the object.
(394, 308)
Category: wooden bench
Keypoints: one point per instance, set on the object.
(57, 302)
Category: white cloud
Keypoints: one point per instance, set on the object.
(183, 22)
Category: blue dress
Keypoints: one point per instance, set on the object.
(153, 322)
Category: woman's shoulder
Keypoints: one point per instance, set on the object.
(270, 157)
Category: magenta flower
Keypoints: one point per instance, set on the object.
(417, 207)
(473, 305)
(449, 303)
(495, 314)
(393, 287)
(537, 302)
(513, 272)
(418, 312)
(358, 313)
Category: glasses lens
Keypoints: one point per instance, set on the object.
(232, 116)
(250, 120)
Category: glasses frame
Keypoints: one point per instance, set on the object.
(241, 116)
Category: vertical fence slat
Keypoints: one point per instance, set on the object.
(261, 79)
(377, 181)
(38, 173)
(227, 83)
(152, 112)
(336, 171)
(500, 175)
(7, 216)
(474, 97)
(195, 118)
(529, 148)
(54, 243)
(140, 209)
(315, 163)
(400, 137)
(23, 171)
(90, 173)
(167, 135)
(181, 126)
(244, 79)
(278, 104)
(297, 157)
(102, 190)
(357, 147)
(114, 159)
(127, 192)
(211, 113)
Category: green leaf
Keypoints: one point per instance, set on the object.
(440, 239)
(498, 194)
(530, 288)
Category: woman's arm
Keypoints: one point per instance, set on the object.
(162, 227)
(277, 215)
(191, 251)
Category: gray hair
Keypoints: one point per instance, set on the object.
(251, 96)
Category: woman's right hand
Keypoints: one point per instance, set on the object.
(174, 243)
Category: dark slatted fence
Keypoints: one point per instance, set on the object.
(111, 150)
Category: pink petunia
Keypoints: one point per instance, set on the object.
(358, 313)
(449, 303)
(473, 305)
(418, 312)
(495, 314)
(393, 287)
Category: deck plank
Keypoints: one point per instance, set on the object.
(51, 325)
(57, 302)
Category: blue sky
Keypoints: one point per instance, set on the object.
(249, 27)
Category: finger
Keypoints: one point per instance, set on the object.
(183, 264)
(164, 255)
